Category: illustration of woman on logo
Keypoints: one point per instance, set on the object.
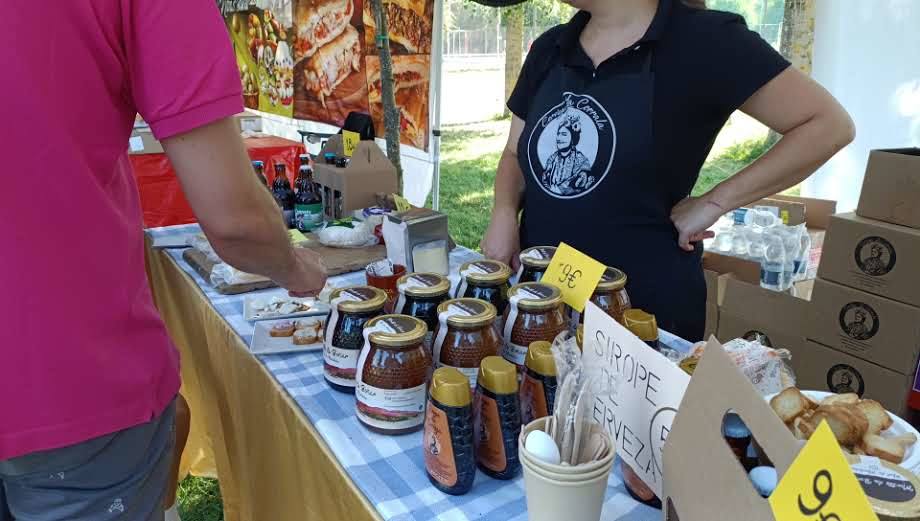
(875, 265)
(857, 328)
(567, 171)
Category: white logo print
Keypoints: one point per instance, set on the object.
(117, 506)
(571, 147)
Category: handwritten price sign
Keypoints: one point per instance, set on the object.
(575, 274)
(820, 486)
(350, 142)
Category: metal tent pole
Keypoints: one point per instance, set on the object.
(437, 52)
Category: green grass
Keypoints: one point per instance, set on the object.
(199, 500)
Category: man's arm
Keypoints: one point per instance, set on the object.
(239, 217)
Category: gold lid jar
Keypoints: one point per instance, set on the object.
(538, 383)
(423, 285)
(534, 262)
(486, 272)
(352, 308)
(534, 313)
(540, 358)
(420, 294)
(465, 336)
(392, 376)
(359, 299)
(498, 376)
(450, 387)
(643, 325)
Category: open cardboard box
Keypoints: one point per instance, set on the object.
(703, 479)
(891, 188)
(368, 173)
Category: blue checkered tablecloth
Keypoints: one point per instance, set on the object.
(389, 470)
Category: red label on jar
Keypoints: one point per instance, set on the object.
(439, 451)
(490, 446)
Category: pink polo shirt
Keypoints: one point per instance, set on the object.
(83, 351)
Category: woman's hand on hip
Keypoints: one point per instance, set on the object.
(502, 240)
(692, 218)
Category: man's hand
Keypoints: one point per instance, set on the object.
(309, 276)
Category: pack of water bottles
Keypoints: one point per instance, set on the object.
(759, 235)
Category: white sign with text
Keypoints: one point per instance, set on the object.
(651, 388)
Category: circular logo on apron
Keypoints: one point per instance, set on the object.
(859, 321)
(843, 378)
(875, 256)
(571, 147)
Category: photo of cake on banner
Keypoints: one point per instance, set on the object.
(261, 38)
(411, 78)
(410, 25)
(329, 80)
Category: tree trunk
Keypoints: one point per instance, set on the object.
(798, 35)
(514, 47)
(391, 118)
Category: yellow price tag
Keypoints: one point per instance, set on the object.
(820, 486)
(296, 236)
(350, 142)
(575, 274)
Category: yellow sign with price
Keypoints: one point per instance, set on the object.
(820, 486)
(575, 274)
(350, 142)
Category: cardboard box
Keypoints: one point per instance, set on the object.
(368, 173)
(873, 256)
(820, 368)
(750, 312)
(702, 478)
(740, 269)
(143, 142)
(712, 320)
(876, 329)
(891, 188)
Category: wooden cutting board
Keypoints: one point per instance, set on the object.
(337, 260)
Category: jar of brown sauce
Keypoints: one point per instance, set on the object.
(466, 335)
(392, 377)
(420, 294)
(534, 313)
(486, 280)
(351, 309)
(534, 262)
(609, 295)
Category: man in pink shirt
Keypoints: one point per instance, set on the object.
(87, 371)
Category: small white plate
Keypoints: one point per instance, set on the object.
(253, 304)
(264, 343)
(911, 456)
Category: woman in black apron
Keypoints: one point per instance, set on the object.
(614, 115)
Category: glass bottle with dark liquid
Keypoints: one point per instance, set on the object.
(283, 194)
(308, 203)
(259, 168)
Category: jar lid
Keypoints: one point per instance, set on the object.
(450, 387)
(399, 330)
(540, 358)
(536, 296)
(424, 284)
(470, 312)
(641, 324)
(498, 375)
(358, 299)
(612, 280)
(537, 256)
(487, 272)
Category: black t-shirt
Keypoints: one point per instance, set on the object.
(607, 152)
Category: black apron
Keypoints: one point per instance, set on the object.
(603, 195)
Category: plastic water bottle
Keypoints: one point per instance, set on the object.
(791, 245)
(804, 257)
(755, 237)
(739, 244)
(774, 258)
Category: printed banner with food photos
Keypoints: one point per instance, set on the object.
(317, 60)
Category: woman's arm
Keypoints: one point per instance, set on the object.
(502, 239)
(814, 127)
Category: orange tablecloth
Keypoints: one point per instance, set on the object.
(161, 196)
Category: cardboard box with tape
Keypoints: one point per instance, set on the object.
(867, 326)
(891, 188)
(873, 256)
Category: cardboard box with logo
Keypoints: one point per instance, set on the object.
(891, 188)
(355, 186)
(873, 328)
(818, 367)
(774, 319)
(873, 256)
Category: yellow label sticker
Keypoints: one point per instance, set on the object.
(820, 485)
(785, 217)
(402, 204)
(296, 236)
(350, 142)
(575, 274)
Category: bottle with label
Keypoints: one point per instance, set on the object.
(420, 294)
(534, 313)
(644, 326)
(486, 280)
(308, 203)
(465, 336)
(259, 168)
(392, 375)
(534, 262)
(774, 258)
(351, 309)
(497, 419)
(283, 194)
(538, 385)
(448, 439)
